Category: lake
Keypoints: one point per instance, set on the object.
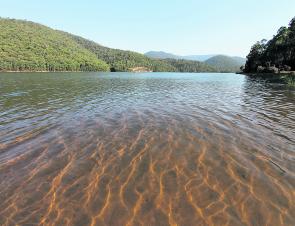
(146, 149)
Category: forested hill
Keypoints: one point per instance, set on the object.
(120, 60)
(221, 63)
(277, 54)
(225, 63)
(28, 46)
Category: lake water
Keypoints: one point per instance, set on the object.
(146, 149)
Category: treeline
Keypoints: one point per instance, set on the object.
(189, 66)
(28, 46)
(277, 54)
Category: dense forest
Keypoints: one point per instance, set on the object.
(275, 55)
(189, 65)
(28, 46)
(225, 63)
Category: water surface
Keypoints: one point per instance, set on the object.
(146, 149)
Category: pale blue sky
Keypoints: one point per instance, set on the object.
(176, 26)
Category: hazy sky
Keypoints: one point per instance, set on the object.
(176, 26)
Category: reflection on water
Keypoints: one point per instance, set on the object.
(146, 149)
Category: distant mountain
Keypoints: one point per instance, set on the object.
(225, 63)
(198, 57)
(221, 63)
(240, 60)
(164, 55)
(161, 55)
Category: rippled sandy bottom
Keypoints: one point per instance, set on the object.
(146, 171)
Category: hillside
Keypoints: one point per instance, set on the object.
(224, 63)
(277, 54)
(240, 60)
(27, 46)
(120, 60)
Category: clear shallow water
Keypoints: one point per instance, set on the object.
(146, 149)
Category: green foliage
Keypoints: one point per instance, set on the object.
(290, 80)
(220, 63)
(225, 63)
(190, 66)
(278, 52)
(27, 46)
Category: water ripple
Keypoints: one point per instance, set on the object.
(146, 149)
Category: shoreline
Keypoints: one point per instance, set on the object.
(287, 78)
(131, 71)
(283, 73)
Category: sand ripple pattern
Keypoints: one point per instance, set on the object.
(161, 149)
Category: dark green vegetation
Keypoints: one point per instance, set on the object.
(190, 66)
(220, 63)
(225, 63)
(274, 59)
(275, 55)
(289, 79)
(28, 46)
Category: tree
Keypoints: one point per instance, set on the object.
(279, 52)
(254, 58)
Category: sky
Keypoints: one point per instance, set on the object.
(183, 27)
